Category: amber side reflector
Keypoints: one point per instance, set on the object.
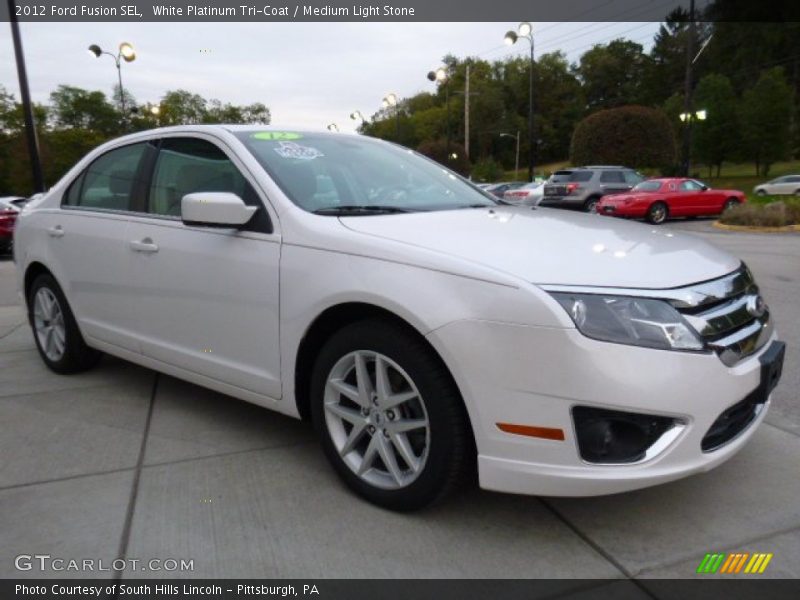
(547, 433)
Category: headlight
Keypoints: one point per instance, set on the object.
(636, 321)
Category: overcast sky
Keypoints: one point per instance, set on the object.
(308, 74)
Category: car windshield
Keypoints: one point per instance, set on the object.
(336, 174)
(647, 186)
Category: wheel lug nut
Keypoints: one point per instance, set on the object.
(371, 429)
(390, 415)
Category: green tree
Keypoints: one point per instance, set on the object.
(181, 107)
(611, 74)
(634, 136)
(766, 113)
(76, 108)
(716, 138)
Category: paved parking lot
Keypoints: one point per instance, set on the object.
(123, 462)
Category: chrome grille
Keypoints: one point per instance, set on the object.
(728, 313)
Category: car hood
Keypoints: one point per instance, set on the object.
(551, 246)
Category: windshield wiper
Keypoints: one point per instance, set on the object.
(349, 209)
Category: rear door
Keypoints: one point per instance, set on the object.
(208, 296)
(613, 182)
(88, 254)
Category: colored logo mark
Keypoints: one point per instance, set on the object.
(276, 135)
(735, 562)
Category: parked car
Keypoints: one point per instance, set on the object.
(583, 187)
(659, 199)
(529, 194)
(786, 185)
(425, 329)
(500, 189)
(9, 209)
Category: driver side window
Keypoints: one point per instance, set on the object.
(188, 165)
(690, 186)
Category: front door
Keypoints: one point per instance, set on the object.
(208, 297)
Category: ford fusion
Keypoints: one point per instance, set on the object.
(429, 331)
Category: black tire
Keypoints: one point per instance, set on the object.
(77, 356)
(729, 204)
(761, 193)
(657, 213)
(590, 206)
(450, 453)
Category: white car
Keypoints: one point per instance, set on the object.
(427, 330)
(530, 194)
(786, 185)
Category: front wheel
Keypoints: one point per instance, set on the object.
(657, 213)
(390, 418)
(590, 206)
(761, 193)
(55, 331)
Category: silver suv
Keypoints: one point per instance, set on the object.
(582, 187)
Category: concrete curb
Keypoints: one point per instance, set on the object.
(756, 229)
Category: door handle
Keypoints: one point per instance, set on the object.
(146, 245)
(55, 232)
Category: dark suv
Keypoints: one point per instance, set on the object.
(582, 187)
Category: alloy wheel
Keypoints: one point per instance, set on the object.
(377, 419)
(48, 321)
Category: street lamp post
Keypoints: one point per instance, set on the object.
(525, 31)
(126, 53)
(442, 76)
(391, 100)
(516, 161)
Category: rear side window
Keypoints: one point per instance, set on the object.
(109, 182)
(189, 165)
(566, 176)
(611, 177)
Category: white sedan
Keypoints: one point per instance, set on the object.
(426, 329)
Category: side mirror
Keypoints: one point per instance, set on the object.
(215, 209)
(703, 188)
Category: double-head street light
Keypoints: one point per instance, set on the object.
(126, 53)
(441, 75)
(699, 115)
(333, 127)
(516, 161)
(389, 100)
(525, 31)
(357, 116)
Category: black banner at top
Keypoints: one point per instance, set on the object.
(391, 10)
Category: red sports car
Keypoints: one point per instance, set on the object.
(658, 199)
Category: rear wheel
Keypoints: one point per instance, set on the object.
(762, 193)
(390, 418)
(590, 206)
(729, 204)
(55, 331)
(657, 213)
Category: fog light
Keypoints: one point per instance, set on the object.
(616, 437)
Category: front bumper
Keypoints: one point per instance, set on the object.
(535, 375)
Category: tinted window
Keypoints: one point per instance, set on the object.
(109, 182)
(793, 179)
(690, 186)
(611, 177)
(648, 186)
(566, 176)
(325, 171)
(188, 165)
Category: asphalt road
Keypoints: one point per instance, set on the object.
(123, 462)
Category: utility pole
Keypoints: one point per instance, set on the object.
(466, 114)
(27, 107)
(687, 95)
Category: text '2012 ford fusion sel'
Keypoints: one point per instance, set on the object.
(427, 329)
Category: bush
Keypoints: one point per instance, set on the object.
(487, 170)
(775, 214)
(633, 136)
(437, 150)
